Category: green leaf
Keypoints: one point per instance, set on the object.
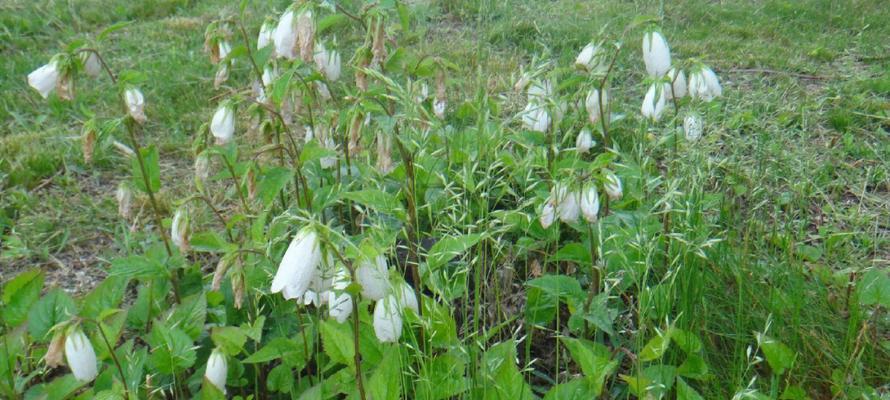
(687, 341)
(59, 389)
(594, 360)
(443, 377)
(189, 315)
(779, 356)
(574, 252)
(376, 199)
(209, 391)
(113, 28)
(108, 295)
(337, 342)
(275, 349)
(330, 22)
(171, 349)
(874, 288)
(794, 392)
(56, 306)
(501, 378)
(686, 392)
(656, 347)
(545, 293)
(384, 383)
(578, 388)
(694, 367)
(442, 327)
(229, 338)
(272, 181)
(138, 267)
(210, 242)
(152, 169)
(19, 294)
(446, 249)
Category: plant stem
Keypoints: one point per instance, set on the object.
(117, 363)
(412, 220)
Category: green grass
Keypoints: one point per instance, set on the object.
(793, 175)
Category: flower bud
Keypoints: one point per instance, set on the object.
(597, 105)
(589, 59)
(613, 187)
(384, 153)
(45, 78)
(202, 166)
(567, 207)
(703, 84)
(653, 103)
(135, 104)
(217, 369)
(439, 108)
(220, 272)
(584, 141)
(80, 356)
(222, 126)
(656, 54)
(306, 34)
(692, 127)
(548, 214)
(590, 203)
(388, 319)
(179, 229)
(373, 276)
(267, 33)
(339, 301)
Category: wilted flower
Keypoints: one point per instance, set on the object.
(656, 54)
(306, 34)
(202, 166)
(692, 127)
(590, 203)
(224, 49)
(88, 141)
(124, 197)
(589, 58)
(80, 356)
(222, 126)
(594, 109)
(378, 44)
(613, 187)
(222, 75)
(135, 104)
(536, 118)
(388, 319)
(217, 369)
(584, 141)
(323, 90)
(328, 62)
(91, 63)
(567, 207)
(340, 302)
(267, 33)
(384, 153)
(548, 214)
(653, 103)
(703, 84)
(677, 88)
(45, 78)
(55, 352)
(179, 229)
(373, 276)
(299, 266)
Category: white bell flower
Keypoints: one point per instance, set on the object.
(299, 266)
(373, 276)
(217, 370)
(80, 356)
(388, 319)
(656, 54)
(45, 78)
(222, 126)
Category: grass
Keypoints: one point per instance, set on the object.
(793, 174)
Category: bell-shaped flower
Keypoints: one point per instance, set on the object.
(589, 59)
(135, 104)
(536, 118)
(222, 126)
(373, 276)
(321, 284)
(439, 108)
(179, 229)
(567, 207)
(328, 62)
(45, 78)
(217, 370)
(692, 127)
(406, 296)
(202, 166)
(590, 203)
(80, 356)
(91, 63)
(676, 89)
(539, 91)
(285, 36)
(653, 102)
(388, 319)
(613, 187)
(703, 84)
(266, 36)
(222, 75)
(224, 49)
(339, 301)
(596, 105)
(584, 141)
(548, 214)
(656, 54)
(299, 266)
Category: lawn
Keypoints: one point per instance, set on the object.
(751, 263)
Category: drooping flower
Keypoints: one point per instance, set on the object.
(584, 141)
(340, 302)
(692, 127)
(613, 187)
(653, 103)
(222, 126)
(677, 88)
(179, 229)
(202, 166)
(384, 153)
(373, 276)
(328, 62)
(406, 296)
(45, 78)
(222, 75)
(548, 214)
(589, 58)
(306, 34)
(567, 207)
(285, 36)
(590, 203)
(540, 90)
(224, 49)
(594, 109)
(439, 108)
(536, 118)
(135, 104)
(703, 84)
(656, 54)
(91, 63)
(124, 197)
(388, 319)
(266, 36)
(217, 370)
(299, 266)
(80, 356)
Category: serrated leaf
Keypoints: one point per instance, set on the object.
(189, 315)
(376, 199)
(384, 383)
(106, 296)
(150, 160)
(271, 182)
(19, 294)
(53, 308)
(137, 267)
(656, 347)
(779, 356)
(594, 360)
(210, 242)
(229, 338)
(450, 247)
(171, 349)
(686, 392)
(337, 342)
(275, 349)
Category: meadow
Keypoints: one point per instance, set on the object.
(424, 200)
